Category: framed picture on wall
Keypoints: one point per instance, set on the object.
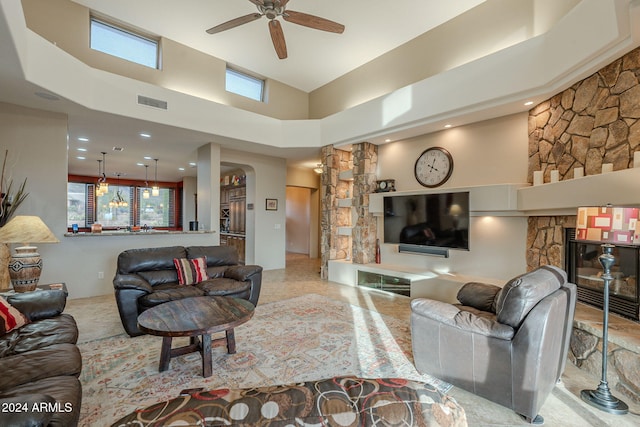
(272, 204)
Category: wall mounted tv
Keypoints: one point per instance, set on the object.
(427, 220)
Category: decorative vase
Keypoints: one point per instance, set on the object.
(378, 251)
(25, 268)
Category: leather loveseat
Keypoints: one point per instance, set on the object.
(40, 364)
(508, 345)
(148, 277)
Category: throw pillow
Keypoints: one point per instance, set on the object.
(10, 317)
(191, 271)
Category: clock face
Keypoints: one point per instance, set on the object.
(433, 167)
(383, 184)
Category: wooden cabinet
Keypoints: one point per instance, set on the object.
(233, 217)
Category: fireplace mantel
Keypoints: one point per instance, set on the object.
(563, 198)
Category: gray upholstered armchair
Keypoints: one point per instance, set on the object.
(507, 344)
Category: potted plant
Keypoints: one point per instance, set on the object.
(10, 200)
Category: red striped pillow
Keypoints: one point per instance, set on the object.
(10, 317)
(191, 271)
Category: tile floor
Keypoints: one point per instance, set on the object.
(97, 317)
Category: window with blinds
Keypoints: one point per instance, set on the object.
(84, 208)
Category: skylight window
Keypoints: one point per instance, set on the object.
(244, 85)
(124, 44)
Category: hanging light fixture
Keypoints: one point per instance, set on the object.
(118, 200)
(155, 190)
(99, 191)
(145, 192)
(103, 185)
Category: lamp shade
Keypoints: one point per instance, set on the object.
(26, 229)
(609, 224)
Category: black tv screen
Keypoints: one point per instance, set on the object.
(436, 220)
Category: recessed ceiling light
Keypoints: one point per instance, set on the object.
(145, 135)
(447, 126)
(81, 158)
(387, 140)
(193, 164)
(180, 169)
(148, 158)
(139, 164)
(81, 149)
(83, 139)
(528, 103)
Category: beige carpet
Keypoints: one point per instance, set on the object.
(300, 339)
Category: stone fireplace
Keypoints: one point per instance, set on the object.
(550, 241)
(584, 269)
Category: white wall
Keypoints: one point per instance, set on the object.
(485, 153)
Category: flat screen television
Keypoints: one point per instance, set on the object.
(428, 220)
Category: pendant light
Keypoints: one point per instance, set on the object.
(155, 190)
(118, 200)
(104, 185)
(145, 192)
(99, 191)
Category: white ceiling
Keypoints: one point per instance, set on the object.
(373, 27)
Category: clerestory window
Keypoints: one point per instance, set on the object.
(117, 41)
(244, 84)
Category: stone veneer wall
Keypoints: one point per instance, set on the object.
(365, 161)
(595, 121)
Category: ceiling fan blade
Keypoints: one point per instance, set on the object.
(234, 23)
(257, 2)
(283, 3)
(313, 21)
(277, 37)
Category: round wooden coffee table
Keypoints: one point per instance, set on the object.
(194, 317)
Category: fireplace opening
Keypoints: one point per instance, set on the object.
(584, 269)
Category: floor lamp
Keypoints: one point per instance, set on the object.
(608, 226)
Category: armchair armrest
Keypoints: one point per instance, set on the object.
(40, 304)
(450, 315)
(242, 272)
(131, 281)
(24, 415)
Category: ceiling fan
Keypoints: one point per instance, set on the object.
(273, 9)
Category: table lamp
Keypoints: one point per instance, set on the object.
(609, 226)
(25, 265)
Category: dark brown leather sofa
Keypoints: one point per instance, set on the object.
(40, 364)
(148, 277)
(508, 344)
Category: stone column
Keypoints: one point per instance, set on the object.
(365, 161)
(332, 244)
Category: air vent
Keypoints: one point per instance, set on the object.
(150, 102)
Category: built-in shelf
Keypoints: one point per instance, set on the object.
(346, 175)
(345, 231)
(496, 200)
(345, 203)
(563, 197)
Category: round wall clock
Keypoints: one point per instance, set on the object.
(434, 166)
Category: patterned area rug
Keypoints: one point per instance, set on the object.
(300, 339)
